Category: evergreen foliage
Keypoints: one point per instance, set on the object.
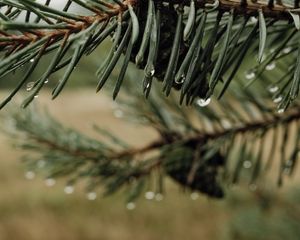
(197, 50)
(202, 148)
(265, 214)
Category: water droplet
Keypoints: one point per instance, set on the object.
(69, 189)
(29, 175)
(273, 89)
(278, 99)
(287, 50)
(252, 187)
(253, 19)
(159, 197)
(149, 195)
(194, 195)
(149, 70)
(41, 163)
(287, 170)
(147, 85)
(91, 196)
(36, 96)
(50, 182)
(289, 167)
(130, 206)
(152, 72)
(247, 164)
(280, 110)
(118, 113)
(202, 102)
(180, 80)
(271, 66)
(46, 81)
(29, 86)
(32, 60)
(250, 75)
(226, 124)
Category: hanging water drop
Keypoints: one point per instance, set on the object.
(288, 167)
(226, 123)
(159, 197)
(152, 72)
(69, 189)
(287, 50)
(147, 85)
(32, 60)
(250, 75)
(273, 89)
(203, 102)
(29, 175)
(118, 113)
(247, 164)
(130, 206)
(46, 81)
(149, 195)
(180, 80)
(278, 99)
(271, 66)
(29, 86)
(50, 182)
(149, 70)
(91, 196)
(253, 19)
(287, 170)
(36, 96)
(194, 195)
(280, 110)
(41, 163)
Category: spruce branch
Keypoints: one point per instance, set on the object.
(246, 8)
(275, 121)
(197, 155)
(204, 66)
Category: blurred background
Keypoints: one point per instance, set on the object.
(32, 209)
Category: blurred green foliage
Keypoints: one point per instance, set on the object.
(83, 76)
(264, 215)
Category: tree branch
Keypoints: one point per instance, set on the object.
(294, 115)
(251, 8)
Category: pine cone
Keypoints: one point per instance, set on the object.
(179, 166)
